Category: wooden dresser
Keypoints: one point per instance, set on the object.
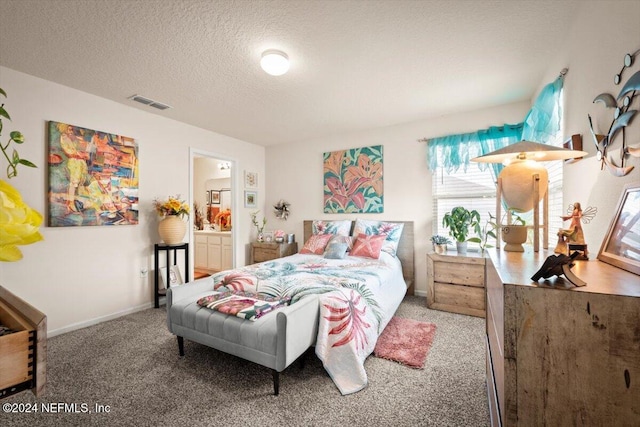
(261, 252)
(455, 283)
(559, 355)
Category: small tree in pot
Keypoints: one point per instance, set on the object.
(460, 221)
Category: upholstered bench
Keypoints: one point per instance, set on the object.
(275, 340)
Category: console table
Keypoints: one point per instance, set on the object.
(170, 260)
(559, 355)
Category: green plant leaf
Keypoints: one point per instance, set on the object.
(4, 113)
(3, 93)
(27, 163)
(16, 157)
(17, 137)
(474, 240)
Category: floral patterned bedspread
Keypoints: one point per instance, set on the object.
(357, 297)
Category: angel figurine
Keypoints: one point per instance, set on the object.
(573, 237)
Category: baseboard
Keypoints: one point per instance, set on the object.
(420, 293)
(91, 322)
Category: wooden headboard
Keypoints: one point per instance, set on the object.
(405, 249)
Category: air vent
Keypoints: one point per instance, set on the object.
(149, 102)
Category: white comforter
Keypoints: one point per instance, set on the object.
(358, 298)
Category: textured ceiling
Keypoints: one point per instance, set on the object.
(354, 64)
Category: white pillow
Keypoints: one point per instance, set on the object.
(341, 228)
(393, 231)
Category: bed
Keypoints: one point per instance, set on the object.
(340, 306)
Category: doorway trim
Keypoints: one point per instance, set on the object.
(193, 154)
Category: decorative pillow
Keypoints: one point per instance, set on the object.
(336, 250)
(393, 231)
(341, 228)
(348, 240)
(368, 245)
(316, 244)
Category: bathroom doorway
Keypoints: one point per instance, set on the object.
(213, 235)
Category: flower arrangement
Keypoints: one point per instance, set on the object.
(254, 221)
(223, 219)
(279, 235)
(171, 206)
(19, 223)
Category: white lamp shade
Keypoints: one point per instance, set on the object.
(275, 62)
(517, 184)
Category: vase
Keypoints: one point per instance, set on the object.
(461, 247)
(172, 229)
(514, 236)
(260, 237)
(440, 249)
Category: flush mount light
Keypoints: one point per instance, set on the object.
(274, 62)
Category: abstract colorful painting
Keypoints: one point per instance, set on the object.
(353, 180)
(93, 177)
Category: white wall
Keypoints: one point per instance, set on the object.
(603, 33)
(295, 174)
(79, 275)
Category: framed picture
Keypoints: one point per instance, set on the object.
(215, 197)
(250, 199)
(366, 191)
(93, 177)
(174, 279)
(621, 246)
(268, 236)
(250, 179)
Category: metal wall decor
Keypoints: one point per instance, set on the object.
(623, 114)
(281, 209)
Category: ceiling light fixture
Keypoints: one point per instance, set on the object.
(274, 62)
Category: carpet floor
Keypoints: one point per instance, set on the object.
(131, 365)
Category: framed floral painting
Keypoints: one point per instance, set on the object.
(250, 179)
(353, 180)
(250, 199)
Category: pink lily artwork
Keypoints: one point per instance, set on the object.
(353, 180)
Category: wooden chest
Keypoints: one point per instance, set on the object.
(23, 352)
(455, 283)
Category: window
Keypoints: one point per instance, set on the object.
(475, 189)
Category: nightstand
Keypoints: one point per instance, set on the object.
(455, 283)
(261, 252)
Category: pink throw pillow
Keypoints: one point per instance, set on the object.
(368, 245)
(316, 244)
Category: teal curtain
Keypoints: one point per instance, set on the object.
(455, 151)
(543, 121)
(541, 124)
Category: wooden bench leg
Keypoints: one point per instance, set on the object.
(276, 382)
(181, 346)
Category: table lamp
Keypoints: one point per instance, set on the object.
(523, 182)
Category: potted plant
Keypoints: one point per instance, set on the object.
(514, 234)
(460, 221)
(440, 243)
(488, 230)
(19, 223)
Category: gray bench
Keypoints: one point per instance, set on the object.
(275, 340)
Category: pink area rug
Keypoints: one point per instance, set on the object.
(406, 341)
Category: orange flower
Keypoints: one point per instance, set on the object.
(372, 172)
